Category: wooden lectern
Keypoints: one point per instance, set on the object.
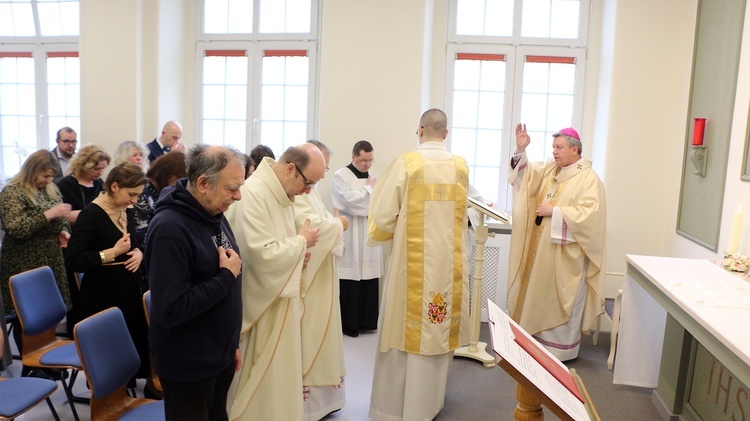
(530, 398)
(537, 373)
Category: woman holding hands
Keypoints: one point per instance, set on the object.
(34, 218)
(101, 248)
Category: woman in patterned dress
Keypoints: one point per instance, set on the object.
(34, 218)
(163, 172)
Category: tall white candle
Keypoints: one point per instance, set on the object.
(735, 234)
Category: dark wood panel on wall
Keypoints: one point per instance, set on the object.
(714, 82)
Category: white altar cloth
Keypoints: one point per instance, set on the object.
(715, 299)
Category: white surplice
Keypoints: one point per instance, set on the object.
(351, 196)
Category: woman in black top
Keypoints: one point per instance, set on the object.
(84, 182)
(78, 189)
(100, 247)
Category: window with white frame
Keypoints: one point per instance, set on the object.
(510, 61)
(39, 76)
(257, 61)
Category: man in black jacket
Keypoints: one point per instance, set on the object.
(170, 140)
(194, 268)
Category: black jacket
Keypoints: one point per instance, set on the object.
(196, 307)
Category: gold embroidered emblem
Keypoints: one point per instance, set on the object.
(437, 309)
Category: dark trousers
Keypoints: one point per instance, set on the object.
(203, 400)
(75, 314)
(359, 305)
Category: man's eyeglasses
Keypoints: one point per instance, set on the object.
(308, 183)
(68, 142)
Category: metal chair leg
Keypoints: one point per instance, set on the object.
(52, 409)
(69, 394)
(615, 328)
(71, 382)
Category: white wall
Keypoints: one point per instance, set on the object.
(646, 75)
(138, 70)
(736, 192)
(110, 71)
(371, 85)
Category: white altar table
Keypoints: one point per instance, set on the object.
(709, 303)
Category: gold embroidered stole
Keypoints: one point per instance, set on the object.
(418, 193)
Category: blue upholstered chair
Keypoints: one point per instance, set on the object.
(40, 308)
(110, 360)
(20, 394)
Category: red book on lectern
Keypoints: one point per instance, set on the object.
(559, 372)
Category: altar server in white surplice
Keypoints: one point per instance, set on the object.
(361, 266)
(322, 344)
(555, 269)
(420, 205)
(269, 385)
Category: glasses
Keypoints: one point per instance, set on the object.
(420, 127)
(308, 183)
(68, 142)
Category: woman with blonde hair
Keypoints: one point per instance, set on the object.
(34, 218)
(84, 182)
(132, 151)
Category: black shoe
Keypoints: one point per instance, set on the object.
(151, 394)
(336, 410)
(55, 373)
(38, 373)
(351, 332)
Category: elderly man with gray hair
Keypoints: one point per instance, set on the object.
(194, 268)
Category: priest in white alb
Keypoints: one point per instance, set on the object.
(419, 204)
(323, 367)
(556, 263)
(269, 385)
